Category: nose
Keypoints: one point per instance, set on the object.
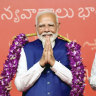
(46, 29)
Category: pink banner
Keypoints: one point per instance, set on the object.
(77, 18)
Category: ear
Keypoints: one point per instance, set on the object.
(58, 26)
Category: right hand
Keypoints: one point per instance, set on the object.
(44, 58)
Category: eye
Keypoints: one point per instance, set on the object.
(40, 26)
(51, 25)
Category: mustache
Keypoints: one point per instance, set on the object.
(48, 34)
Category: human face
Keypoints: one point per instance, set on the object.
(47, 25)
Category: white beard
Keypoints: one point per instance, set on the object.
(52, 38)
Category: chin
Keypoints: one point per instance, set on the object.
(43, 38)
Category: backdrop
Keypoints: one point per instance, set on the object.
(77, 18)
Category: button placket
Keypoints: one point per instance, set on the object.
(48, 83)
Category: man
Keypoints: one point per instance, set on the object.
(44, 68)
(92, 79)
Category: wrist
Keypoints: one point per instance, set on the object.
(52, 63)
(41, 64)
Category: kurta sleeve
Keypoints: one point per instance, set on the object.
(92, 79)
(62, 72)
(26, 78)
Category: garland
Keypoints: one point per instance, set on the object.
(11, 64)
(77, 69)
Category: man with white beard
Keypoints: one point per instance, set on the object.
(44, 68)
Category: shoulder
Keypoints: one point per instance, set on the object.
(60, 44)
(61, 41)
(32, 44)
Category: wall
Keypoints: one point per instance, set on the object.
(77, 18)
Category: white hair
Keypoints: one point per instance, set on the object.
(54, 35)
(44, 12)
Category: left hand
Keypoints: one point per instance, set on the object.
(50, 56)
(1, 77)
(9, 87)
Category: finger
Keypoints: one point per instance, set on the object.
(1, 77)
(49, 43)
(50, 52)
(9, 84)
(50, 47)
(48, 40)
(9, 88)
(45, 48)
(46, 44)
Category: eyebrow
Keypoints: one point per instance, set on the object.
(48, 24)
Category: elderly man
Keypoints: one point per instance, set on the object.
(92, 79)
(44, 68)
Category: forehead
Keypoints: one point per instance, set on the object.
(47, 18)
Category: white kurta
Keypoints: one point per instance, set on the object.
(26, 78)
(92, 79)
